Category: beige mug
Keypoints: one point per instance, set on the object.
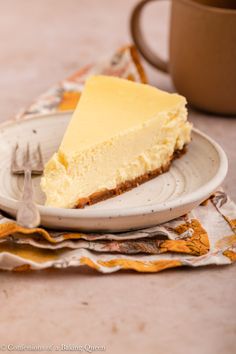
(202, 51)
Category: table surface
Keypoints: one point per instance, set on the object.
(177, 311)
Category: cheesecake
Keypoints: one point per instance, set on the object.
(121, 134)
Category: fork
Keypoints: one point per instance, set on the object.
(27, 212)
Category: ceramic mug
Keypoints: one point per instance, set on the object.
(202, 51)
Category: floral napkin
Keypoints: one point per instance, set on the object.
(207, 235)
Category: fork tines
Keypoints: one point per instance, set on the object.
(32, 162)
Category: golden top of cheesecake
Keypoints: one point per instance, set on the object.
(110, 105)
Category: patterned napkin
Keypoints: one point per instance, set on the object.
(207, 235)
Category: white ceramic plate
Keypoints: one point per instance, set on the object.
(191, 179)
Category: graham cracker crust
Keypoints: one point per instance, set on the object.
(126, 186)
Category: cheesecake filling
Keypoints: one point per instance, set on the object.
(124, 157)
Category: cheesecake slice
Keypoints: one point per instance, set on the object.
(121, 134)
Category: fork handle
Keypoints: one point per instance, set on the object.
(27, 212)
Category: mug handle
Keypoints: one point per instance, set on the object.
(139, 41)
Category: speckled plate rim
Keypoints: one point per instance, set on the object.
(197, 196)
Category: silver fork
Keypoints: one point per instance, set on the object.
(32, 164)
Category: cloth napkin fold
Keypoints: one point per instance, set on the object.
(207, 235)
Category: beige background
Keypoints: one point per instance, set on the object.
(176, 311)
